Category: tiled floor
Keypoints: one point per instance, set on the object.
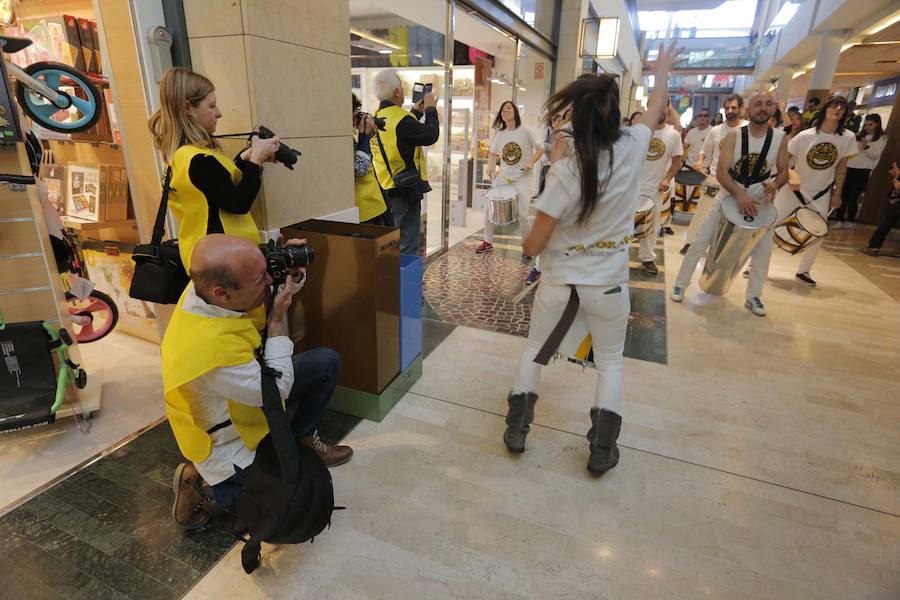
(488, 291)
(760, 462)
(883, 271)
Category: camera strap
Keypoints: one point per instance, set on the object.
(159, 226)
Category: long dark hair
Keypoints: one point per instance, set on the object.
(596, 123)
(499, 123)
(633, 115)
(879, 131)
(820, 116)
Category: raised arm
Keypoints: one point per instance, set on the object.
(657, 105)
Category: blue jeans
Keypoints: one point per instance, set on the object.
(407, 212)
(315, 377)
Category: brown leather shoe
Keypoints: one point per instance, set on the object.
(187, 510)
(332, 456)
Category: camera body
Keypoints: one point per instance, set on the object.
(360, 116)
(281, 259)
(285, 154)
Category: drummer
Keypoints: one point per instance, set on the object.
(708, 161)
(821, 154)
(517, 149)
(693, 141)
(663, 160)
(740, 177)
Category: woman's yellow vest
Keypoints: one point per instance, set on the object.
(368, 196)
(193, 346)
(392, 116)
(190, 207)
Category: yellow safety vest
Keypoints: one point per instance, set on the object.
(368, 195)
(193, 346)
(392, 116)
(190, 207)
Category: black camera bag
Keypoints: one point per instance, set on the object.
(287, 495)
(407, 178)
(159, 275)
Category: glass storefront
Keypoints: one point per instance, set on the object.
(489, 67)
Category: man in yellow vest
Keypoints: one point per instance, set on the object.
(397, 151)
(212, 381)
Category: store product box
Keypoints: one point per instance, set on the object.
(98, 56)
(87, 45)
(351, 300)
(83, 192)
(55, 177)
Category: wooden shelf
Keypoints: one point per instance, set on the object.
(83, 225)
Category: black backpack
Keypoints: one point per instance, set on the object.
(287, 496)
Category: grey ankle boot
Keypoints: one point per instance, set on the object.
(518, 419)
(605, 427)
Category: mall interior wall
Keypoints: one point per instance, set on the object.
(285, 65)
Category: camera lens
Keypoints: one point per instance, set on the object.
(298, 256)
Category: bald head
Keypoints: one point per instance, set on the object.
(761, 107)
(227, 271)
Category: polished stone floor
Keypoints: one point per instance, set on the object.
(760, 462)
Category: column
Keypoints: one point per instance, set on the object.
(879, 186)
(287, 68)
(568, 63)
(783, 86)
(826, 63)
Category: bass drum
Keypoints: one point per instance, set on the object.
(643, 218)
(802, 229)
(688, 187)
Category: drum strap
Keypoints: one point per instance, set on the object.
(746, 177)
(802, 199)
(559, 332)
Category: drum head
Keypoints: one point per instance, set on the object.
(812, 222)
(644, 204)
(689, 177)
(765, 216)
(500, 192)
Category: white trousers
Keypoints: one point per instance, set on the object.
(647, 251)
(607, 318)
(786, 202)
(759, 258)
(704, 205)
(524, 192)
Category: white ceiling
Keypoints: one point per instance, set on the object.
(673, 5)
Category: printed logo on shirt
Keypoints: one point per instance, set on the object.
(656, 150)
(511, 153)
(600, 248)
(821, 156)
(751, 160)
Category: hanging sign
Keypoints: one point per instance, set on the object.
(538, 70)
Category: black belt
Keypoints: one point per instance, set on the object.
(816, 197)
(221, 425)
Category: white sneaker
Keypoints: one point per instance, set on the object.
(848, 225)
(677, 294)
(837, 225)
(756, 306)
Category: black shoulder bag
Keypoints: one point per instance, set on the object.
(159, 275)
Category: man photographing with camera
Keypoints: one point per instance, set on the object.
(213, 382)
(397, 154)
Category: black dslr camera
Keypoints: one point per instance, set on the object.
(280, 259)
(285, 154)
(360, 116)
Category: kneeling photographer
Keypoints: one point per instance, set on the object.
(213, 382)
(397, 153)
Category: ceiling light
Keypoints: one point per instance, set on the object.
(883, 24)
(385, 52)
(373, 38)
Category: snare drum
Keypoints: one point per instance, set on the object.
(800, 230)
(504, 209)
(643, 218)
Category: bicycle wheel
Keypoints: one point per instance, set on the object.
(71, 112)
(92, 317)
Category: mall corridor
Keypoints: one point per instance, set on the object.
(758, 455)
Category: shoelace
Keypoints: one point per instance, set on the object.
(318, 444)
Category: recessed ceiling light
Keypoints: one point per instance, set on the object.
(385, 52)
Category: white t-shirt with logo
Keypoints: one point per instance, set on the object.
(515, 147)
(596, 252)
(816, 155)
(713, 143)
(754, 148)
(694, 140)
(664, 144)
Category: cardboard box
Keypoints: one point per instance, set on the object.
(351, 300)
(98, 56)
(87, 45)
(73, 38)
(55, 177)
(83, 195)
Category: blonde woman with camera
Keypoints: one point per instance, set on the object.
(209, 192)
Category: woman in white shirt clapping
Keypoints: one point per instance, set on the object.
(583, 233)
